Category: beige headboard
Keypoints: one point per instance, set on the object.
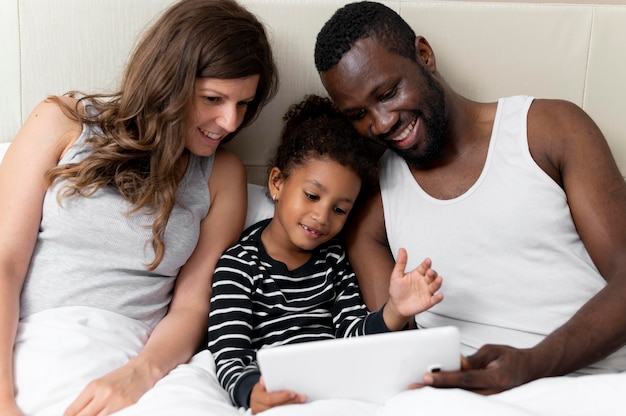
(484, 49)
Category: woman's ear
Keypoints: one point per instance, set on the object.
(275, 183)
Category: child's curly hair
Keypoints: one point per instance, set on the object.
(315, 129)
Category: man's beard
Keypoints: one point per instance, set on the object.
(434, 126)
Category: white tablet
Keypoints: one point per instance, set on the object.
(372, 368)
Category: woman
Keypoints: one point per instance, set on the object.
(120, 205)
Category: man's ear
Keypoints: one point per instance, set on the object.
(275, 183)
(424, 54)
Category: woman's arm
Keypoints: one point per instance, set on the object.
(38, 146)
(177, 336)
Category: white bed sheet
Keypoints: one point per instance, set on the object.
(59, 351)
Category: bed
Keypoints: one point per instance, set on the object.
(485, 50)
(101, 340)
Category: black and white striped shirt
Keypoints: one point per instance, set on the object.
(257, 302)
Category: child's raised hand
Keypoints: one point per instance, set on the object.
(410, 293)
(261, 400)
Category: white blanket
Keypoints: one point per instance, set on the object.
(59, 351)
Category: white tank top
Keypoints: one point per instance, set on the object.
(513, 265)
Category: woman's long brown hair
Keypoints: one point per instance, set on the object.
(143, 124)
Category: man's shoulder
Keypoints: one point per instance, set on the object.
(550, 110)
(556, 129)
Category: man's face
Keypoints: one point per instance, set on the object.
(390, 99)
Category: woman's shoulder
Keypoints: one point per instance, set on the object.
(51, 120)
(227, 170)
(228, 164)
(228, 179)
(60, 109)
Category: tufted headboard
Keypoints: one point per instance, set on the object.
(485, 50)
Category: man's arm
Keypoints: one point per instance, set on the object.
(596, 194)
(368, 251)
(570, 148)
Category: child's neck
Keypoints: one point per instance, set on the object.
(289, 255)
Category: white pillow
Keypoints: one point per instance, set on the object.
(260, 206)
(3, 149)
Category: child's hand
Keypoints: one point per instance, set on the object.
(261, 400)
(410, 293)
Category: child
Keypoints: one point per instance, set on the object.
(288, 279)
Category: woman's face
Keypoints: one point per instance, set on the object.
(218, 108)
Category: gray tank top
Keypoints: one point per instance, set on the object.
(89, 252)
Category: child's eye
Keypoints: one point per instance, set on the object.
(340, 211)
(311, 196)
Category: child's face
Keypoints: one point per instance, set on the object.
(313, 202)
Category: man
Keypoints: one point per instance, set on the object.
(519, 204)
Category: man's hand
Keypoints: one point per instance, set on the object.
(492, 369)
(261, 400)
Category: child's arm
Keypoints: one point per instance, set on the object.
(410, 293)
(230, 337)
(350, 315)
(230, 329)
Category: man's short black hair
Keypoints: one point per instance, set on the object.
(360, 20)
